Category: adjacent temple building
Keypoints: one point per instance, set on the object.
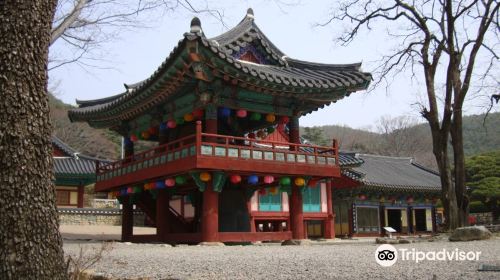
(216, 107)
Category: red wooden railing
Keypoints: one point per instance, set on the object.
(215, 145)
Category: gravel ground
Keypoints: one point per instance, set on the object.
(341, 261)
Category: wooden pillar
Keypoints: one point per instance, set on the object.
(81, 190)
(127, 219)
(330, 220)
(210, 215)
(162, 214)
(210, 208)
(296, 212)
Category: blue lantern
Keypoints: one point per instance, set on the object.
(123, 192)
(127, 141)
(160, 184)
(163, 126)
(225, 112)
(253, 179)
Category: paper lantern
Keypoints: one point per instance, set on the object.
(145, 135)
(262, 192)
(130, 190)
(127, 141)
(312, 183)
(180, 180)
(205, 176)
(299, 182)
(274, 190)
(285, 181)
(188, 117)
(163, 126)
(225, 112)
(270, 130)
(270, 118)
(241, 113)
(153, 130)
(133, 138)
(146, 186)
(284, 120)
(170, 182)
(268, 179)
(255, 116)
(261, 134)
(251, 135)
(409, 199)
(160, 184)
(382, 198)
(198, 113)
(123, 191)
(137, 189)
(171, 124)
(362, 197)
(253, 179)
(179, 120)
(235, 179)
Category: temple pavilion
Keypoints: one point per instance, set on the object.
(210, 107)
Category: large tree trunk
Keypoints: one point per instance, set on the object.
(459, 170)
(448, 195)
(31, 246)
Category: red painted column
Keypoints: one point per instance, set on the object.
(81, 190)
(330, 220)
(127, 219)
(162, 214)
(296, 213)
(210, 208)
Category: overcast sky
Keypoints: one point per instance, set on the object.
(291, 28)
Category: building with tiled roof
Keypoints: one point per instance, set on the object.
(383, 192)
(73, 171)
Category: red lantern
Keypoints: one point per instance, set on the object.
(312, 183)
(198, 113)
(153, 130)
(241, 113)
(235, 179)
(262, 192)
(133, 138)
(284, 120)
(362, 197)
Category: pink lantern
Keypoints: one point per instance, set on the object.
(171, 124)
(170, 182)
(241, 113)
(235, 179)
(268, 179)
(130, 190)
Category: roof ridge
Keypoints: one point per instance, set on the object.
(387, 157)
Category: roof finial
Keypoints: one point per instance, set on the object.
(250, 13)
(195, 25)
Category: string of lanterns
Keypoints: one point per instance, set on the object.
(224, 112)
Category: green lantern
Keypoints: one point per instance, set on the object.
(255, 116)
(285, 181)
(137, 189)
(180, 180)
(180, 120)
(270, 130)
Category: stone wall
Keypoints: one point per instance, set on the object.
(94, 216)
(105, 203)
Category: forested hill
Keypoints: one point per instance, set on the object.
(397, 140)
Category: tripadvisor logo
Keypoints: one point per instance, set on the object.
(387, 255)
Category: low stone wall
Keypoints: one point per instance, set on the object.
(94, 216)
(105, 203)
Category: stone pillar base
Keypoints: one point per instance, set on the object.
(296, 242)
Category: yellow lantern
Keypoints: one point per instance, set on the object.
(300, 182)
(273, 190)
(145, 135)
(205, 176)
(188, 117)
(270, 118)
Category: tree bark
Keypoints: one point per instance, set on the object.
(459, 171)
(31, 246)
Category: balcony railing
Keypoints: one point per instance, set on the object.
(214, 146)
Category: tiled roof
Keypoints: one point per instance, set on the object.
(396, 173)
(63, 146)
(325, 83)
(74, 164)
